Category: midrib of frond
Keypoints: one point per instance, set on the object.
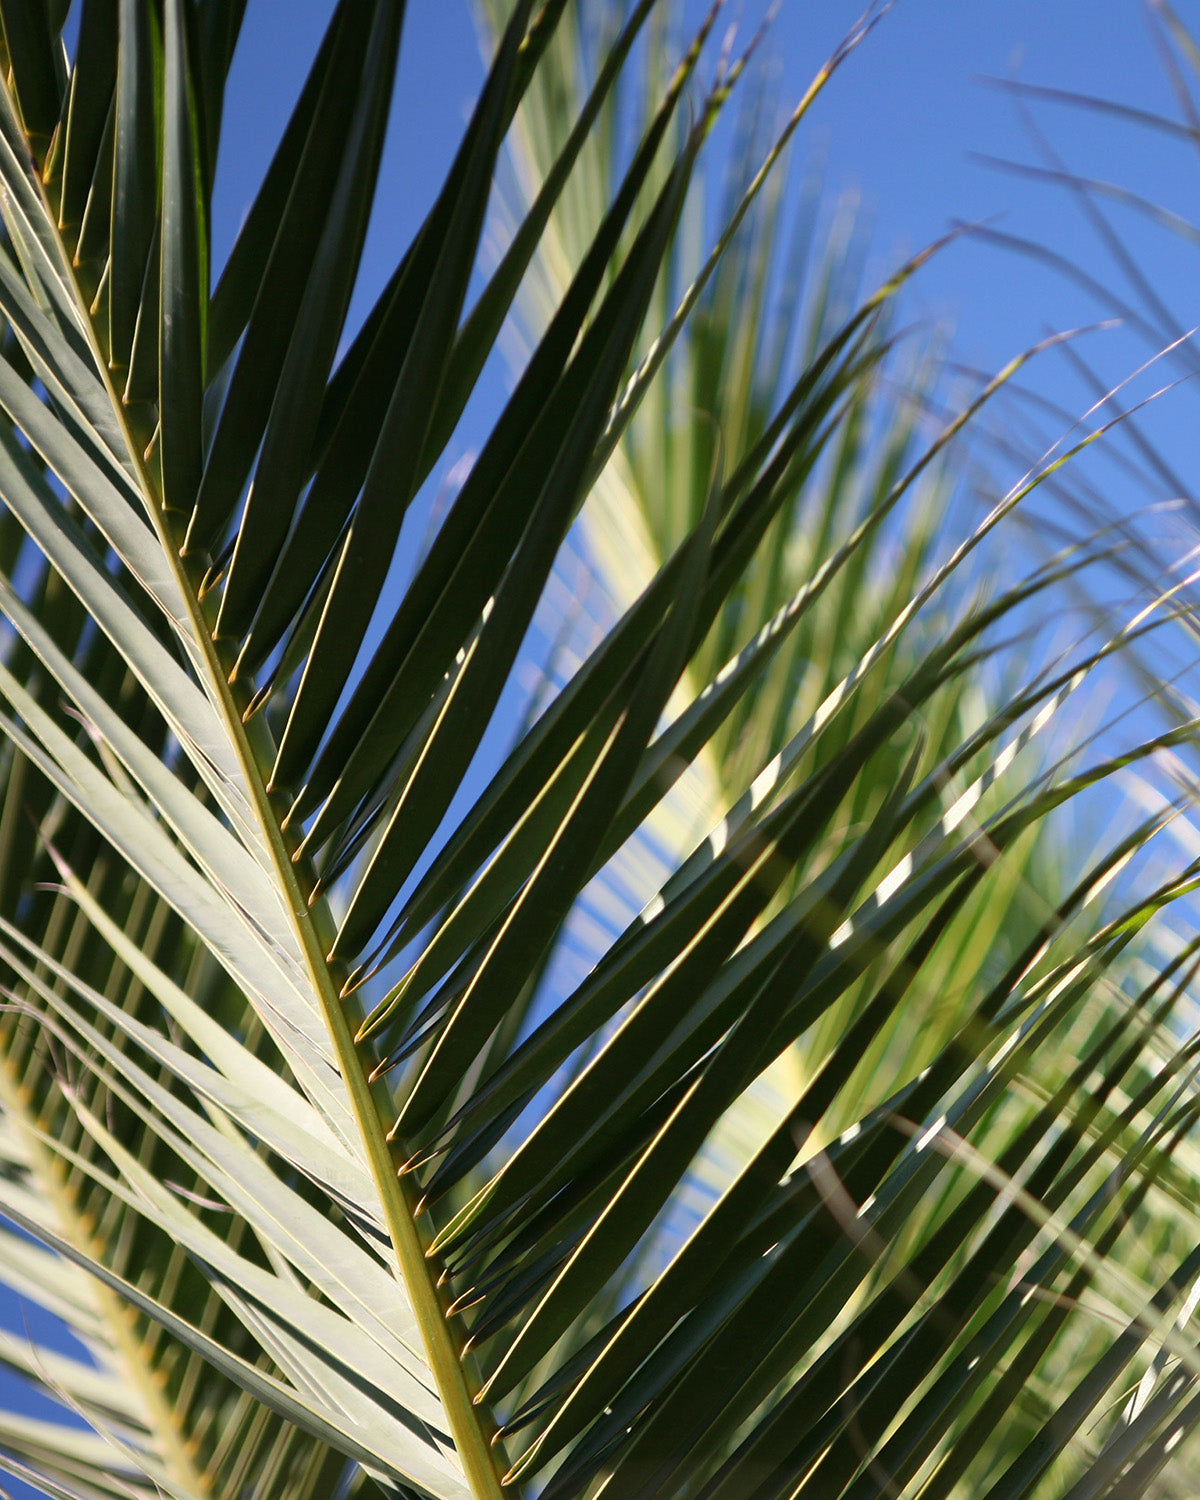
(622, 549)
(626, 559)
(128, 1338)
(620, 542)
(621, 546)
(313, 928)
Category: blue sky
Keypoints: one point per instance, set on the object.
(907, 123)
(904, 123)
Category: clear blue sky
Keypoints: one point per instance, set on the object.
(900, 123)
(904, 122)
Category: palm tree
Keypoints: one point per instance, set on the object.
(340, 1185)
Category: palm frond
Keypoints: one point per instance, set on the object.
(340, 1188)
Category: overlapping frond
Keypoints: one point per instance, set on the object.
(340, 1185)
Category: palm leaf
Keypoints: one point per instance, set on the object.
(342, 1192)
(729, 378)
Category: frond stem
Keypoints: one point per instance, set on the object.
(483, 1463)
(120, 1320)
